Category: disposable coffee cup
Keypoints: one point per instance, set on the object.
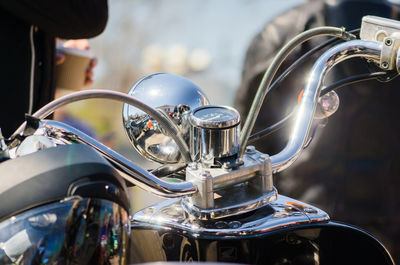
(71, 74)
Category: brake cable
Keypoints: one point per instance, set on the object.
(381, 76)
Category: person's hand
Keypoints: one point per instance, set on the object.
(82, 44)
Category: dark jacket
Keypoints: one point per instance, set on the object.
(27, 49)
(351, 168)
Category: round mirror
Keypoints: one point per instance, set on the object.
(174, 96)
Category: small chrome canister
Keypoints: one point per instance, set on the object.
(214, 133)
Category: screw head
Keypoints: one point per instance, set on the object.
(388, 42)
(385, 65)
(250, 149)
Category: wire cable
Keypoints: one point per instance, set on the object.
(341, 83)
(273, 68)
(306, 56)
(273, 128)
(352, 80)
(118, 96)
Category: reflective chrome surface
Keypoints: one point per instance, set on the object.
(73, 231)
(129, 171)
(173, 96)
(208, 144)
(237, 187)
(214, 133)
(167, 124)
(214, 117)
(305, 113)
(283, 212)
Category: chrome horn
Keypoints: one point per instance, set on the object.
(173, 96)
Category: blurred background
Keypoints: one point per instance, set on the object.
(205, 41)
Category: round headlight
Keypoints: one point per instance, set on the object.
(84, 231)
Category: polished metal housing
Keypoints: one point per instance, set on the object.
(171, 95)
(378, 28)
(212, 138)
(215, 122)
(237, 187)
(282, 212)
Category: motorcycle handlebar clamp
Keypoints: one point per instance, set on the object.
(237, 187)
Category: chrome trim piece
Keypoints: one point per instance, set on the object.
(237, 187)
(305, 113)
(131, 172)
(214, 138)
(211, 124)
(206, 145)
(284, 212)
(239, 205)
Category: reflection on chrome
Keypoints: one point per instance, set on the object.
(173, 96)
(75, 231)
(305, 114)
(129, 170)
(282, 212)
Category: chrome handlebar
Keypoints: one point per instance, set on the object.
(280, 161)
(305, 113)
(131, 172)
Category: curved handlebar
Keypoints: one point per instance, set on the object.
(306, 109)
(280, 161)
(122, 97)
(132, 173)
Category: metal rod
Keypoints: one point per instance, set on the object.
(122, 97)
(132, 173)
(306, 109)
(264, 87)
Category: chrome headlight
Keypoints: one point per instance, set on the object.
(84, 231)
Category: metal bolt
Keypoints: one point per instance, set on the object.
(226, 165)
(193, 165)
(250, 149)
(388, 42)
(385, 65)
